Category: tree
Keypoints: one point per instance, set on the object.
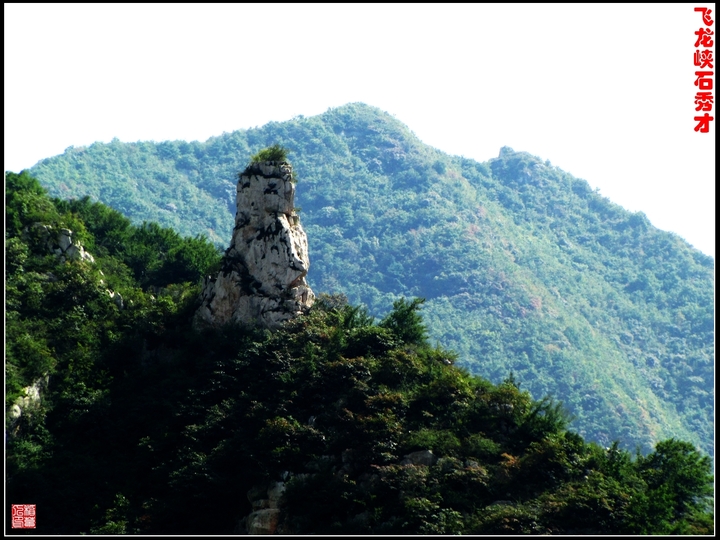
(405, 322)
(271, 153)
(677, 469)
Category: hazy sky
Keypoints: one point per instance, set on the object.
(603, 91)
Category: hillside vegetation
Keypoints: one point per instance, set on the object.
(525, 269)
(147, 426)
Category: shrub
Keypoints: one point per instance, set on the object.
(271, 153)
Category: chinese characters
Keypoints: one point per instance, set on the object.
(23, 516)
(703, 60)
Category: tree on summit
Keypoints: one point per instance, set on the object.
(275, 152)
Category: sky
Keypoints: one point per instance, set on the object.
(605, 92)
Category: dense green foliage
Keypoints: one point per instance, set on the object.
(62, 317)
(524, 268)
(271, 153)
(148, 426)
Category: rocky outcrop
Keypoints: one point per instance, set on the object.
(262, 281)
(266, 514)
(61, 243)
(421, 457)
(29, 401)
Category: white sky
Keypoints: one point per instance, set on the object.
(603, 91)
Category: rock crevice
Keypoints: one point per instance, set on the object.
(262, 280)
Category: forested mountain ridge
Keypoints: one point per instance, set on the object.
(125, 418)
(525, 269)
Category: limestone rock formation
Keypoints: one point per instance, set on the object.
(61, 243)
(266, 514)
(262, 281)
(421, 457)
(28, 402)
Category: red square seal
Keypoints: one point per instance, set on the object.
(23, 516)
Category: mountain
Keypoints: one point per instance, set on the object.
(524, 268)
(125, 416)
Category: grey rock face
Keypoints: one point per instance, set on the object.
(61, 243)
(262, 281)
(265, 516)
(31, 400)
(421, 457)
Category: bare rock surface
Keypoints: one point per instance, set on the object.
(61, 243)
(265, 516)
(262, 281)
(421, 457)
(29, 401)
